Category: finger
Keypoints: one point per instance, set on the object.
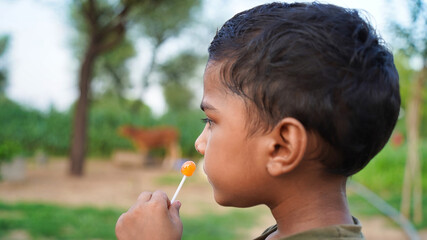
(174, 209)
(161, 198)
(120, 220)
(144, 196)
(174, 214)
(119, 225)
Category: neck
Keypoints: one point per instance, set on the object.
(314, 205)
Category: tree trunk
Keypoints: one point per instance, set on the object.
(412, 178)
(78, 147)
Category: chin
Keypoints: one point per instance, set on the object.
(223, 202)
(222, 199)
(229, 202)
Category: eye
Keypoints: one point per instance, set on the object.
(207, 121)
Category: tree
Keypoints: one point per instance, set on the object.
(413, 43)
(176, 74)
(103, 26)
(4, 41)
(111, 71)
(163, 23)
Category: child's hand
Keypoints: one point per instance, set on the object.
(152, 217)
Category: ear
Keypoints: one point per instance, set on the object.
(287, 146)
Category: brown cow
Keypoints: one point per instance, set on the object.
(145, 139)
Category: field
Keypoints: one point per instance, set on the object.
(51, 205)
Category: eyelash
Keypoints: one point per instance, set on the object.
(207, 121)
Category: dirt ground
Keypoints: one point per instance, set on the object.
(107, 185)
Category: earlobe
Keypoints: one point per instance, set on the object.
(287, 148)
(275, 167)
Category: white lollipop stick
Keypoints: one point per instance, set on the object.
(178, 189)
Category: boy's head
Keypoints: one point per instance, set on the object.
(320, 64)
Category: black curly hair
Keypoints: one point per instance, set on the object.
(319, 63)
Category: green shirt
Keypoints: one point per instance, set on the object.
(335, 232)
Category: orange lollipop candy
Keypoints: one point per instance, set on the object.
(187, 169)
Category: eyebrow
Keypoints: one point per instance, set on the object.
(206, 106)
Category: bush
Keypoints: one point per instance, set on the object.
(51, 132)
(189, 125)
(8, 150)
(20, 125)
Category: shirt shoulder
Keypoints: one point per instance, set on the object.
(335, 232)
(267, 232)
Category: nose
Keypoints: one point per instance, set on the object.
(200, 143)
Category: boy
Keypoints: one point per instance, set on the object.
(298, 97)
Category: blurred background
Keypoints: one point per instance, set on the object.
(99, 101)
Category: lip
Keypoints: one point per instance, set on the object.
(204, 171)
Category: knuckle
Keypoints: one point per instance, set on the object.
(144, 195)
(119, 224)
(160, 194)
(156, 205)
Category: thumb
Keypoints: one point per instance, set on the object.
(174, 210)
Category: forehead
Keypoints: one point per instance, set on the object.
(214, 90)
(212, 77)
(213, 86)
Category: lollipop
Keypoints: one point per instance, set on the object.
(187, 169)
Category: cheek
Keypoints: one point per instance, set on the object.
(218, 154)
(225, 154)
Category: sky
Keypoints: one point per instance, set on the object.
(43, 70)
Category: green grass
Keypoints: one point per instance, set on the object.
(46, 221)
(384, 176)
(212, 226)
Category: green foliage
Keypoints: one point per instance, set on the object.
(181, 68)
(406, 74)
(177, 96)
(384, 175)
(412, 38)
(189, 124)
(411, 44)
(103, 43)
(34, 130)
(105, 12)
(8, 150)
(111, 73)
(154, 20)
(21, 125)
(107, 115)
(111, 70)
(406, 77)
(176, 75)
(51, 132)
(57, 132)
(4, 42)
(45, 221)
(166, 18)
(160, 22)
